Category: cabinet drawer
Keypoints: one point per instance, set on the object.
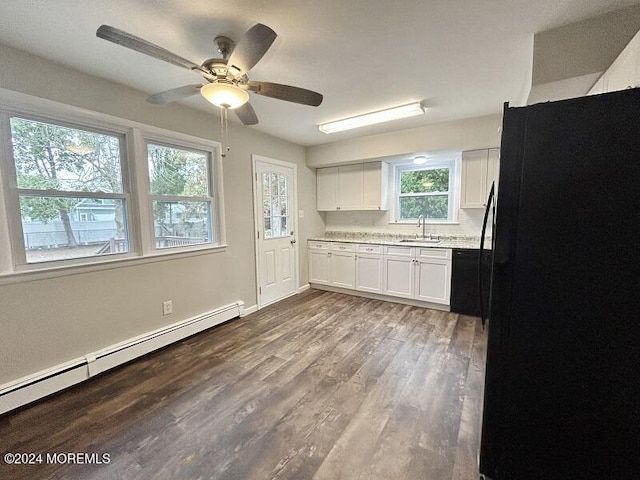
(398, 251)
(318, 245)
(442, 253)
(370, 248)
(344, 247)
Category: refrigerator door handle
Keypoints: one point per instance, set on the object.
(480, 257)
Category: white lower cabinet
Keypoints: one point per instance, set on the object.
(433, 280)
(319, 267)
(369, 268)
(398, 271)
(416, 273)
(332, 264)
(343, 269)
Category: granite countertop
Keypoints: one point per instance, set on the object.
(375, 238)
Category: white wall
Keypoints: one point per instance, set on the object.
(467, 134)
(461, 135)
(46, 322)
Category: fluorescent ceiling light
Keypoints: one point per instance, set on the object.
(372, 118)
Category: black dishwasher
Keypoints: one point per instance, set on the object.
(464, 281)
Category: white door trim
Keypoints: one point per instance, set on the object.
(257, 209)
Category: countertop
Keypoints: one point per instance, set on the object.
(465, 242)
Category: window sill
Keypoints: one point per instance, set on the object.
(33, 272)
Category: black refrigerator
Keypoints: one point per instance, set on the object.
(562, 382)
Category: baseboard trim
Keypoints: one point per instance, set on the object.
(304, 288)
(386, 298)
(27, 389)
(249, 310)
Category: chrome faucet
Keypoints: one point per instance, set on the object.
(424, 224)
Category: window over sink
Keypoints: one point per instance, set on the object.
(425, 190)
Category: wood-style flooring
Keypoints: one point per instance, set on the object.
(321, 386)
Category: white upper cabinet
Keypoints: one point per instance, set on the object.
(374, 179)
(327, 188)
(479, 170)
(623, 73)
(350, 187)
(353, 187)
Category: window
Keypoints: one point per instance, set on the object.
(82, 188)
(425, 190)
(275, 205)
(63, 175)
(180, 187)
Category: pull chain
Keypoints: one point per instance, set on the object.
(224, 126)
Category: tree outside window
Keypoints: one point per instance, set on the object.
(58, 170)
(423, 191)
(181, 197)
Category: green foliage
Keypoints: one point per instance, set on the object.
(431, 207)
(428, 181)
(44, 209)
(179, 173)
(80, 161)
(55, 158)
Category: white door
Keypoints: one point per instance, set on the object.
(276, 236)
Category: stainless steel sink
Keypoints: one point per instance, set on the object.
(426, 241)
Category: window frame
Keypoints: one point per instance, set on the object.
(13, 192)
(162, 141)
(435, 164)
(133, 162)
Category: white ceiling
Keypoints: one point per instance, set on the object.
(462, 58)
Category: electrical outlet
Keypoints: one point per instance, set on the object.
(167, 307)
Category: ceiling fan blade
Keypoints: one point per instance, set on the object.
(174, 94)
(250, 49)
(246, 114)
(120, 37)
(286, 92)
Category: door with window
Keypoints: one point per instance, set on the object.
(276, 235)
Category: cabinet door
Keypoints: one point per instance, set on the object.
(474, 179)
(350, 187)
(327, 188)
(319, 267)
(398, 276)
(343, 269)
(369, 273)
(433, 281)
(374, 178)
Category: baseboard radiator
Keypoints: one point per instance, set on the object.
(33, 387)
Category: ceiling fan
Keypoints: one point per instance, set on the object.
(227, 81)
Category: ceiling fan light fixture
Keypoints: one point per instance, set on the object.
(224, 95)
(380, 116)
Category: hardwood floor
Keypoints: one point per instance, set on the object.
(322, 386)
